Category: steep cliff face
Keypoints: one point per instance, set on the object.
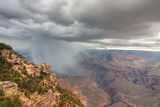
(94, 95)
(130, 79)
(35, 85)
(117, 79)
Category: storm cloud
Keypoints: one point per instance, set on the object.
(82, 20)
(79, 24)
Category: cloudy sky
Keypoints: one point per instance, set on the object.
(61, 26)
(132, 24)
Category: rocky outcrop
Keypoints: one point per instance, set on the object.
(94, 95)
(47, 100)
(20, 63)
(35, 85)
(9, 87)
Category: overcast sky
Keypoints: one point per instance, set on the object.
(57, 29)
(94, 23)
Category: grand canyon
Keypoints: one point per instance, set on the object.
(115, 78)
(79, 53)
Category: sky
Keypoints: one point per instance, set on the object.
(68, 26)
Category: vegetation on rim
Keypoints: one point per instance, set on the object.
(29, 84)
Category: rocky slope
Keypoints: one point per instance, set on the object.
(116, 78)
(130, 79)
(23, 83)
(94, 95)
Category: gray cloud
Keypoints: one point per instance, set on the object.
(69, 22)
(86, 20)
(120, 19)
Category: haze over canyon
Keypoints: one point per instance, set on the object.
(94, 53)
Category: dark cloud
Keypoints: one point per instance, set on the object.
(86, 20)
(53, 11)
(58, 29)
(120, 19)
(13, 10)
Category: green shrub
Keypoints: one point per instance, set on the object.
(27, 93)
(1, 92)
(24, 67)
(4, 46)
(68, 97)
(9, 101)
(24, 72)
(39, 88)
(42, 75)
